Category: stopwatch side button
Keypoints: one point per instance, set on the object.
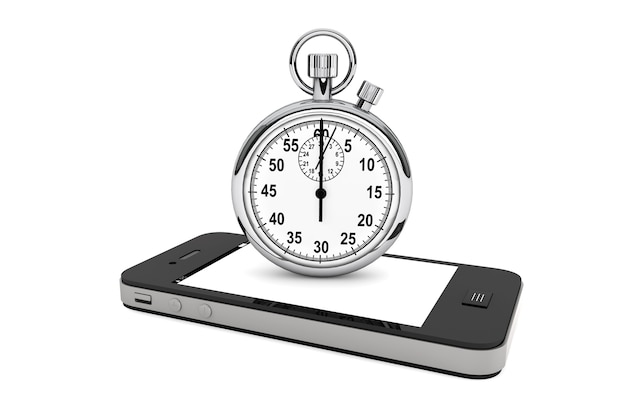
(369, 95)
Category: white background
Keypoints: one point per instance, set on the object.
(120, 122)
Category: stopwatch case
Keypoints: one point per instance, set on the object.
(390, 233)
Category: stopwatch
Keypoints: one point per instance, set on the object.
(322, 186)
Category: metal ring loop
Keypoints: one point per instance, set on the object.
(322, 32)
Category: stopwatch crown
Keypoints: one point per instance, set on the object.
(322, 65)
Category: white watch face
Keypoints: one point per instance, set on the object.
(320, 188)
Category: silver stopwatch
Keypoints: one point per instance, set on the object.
(322, 186)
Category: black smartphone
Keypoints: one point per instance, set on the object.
(439, 316)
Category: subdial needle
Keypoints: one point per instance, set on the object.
(326, 147)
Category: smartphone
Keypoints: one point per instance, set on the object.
(440, 316)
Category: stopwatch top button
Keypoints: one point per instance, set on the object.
(322, 65)
(369, 95)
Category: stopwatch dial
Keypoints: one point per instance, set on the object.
(355, 192)
(309, 158)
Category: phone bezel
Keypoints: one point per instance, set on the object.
(449, 322)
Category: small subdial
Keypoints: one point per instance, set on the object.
(309, 159)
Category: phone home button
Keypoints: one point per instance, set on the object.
(175, 305)
(477, 298)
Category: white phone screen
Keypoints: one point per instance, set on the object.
(390, 289)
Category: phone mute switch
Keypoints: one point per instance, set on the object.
(143, 298)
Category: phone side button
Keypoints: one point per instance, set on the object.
(205, 311)
(175, 305)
